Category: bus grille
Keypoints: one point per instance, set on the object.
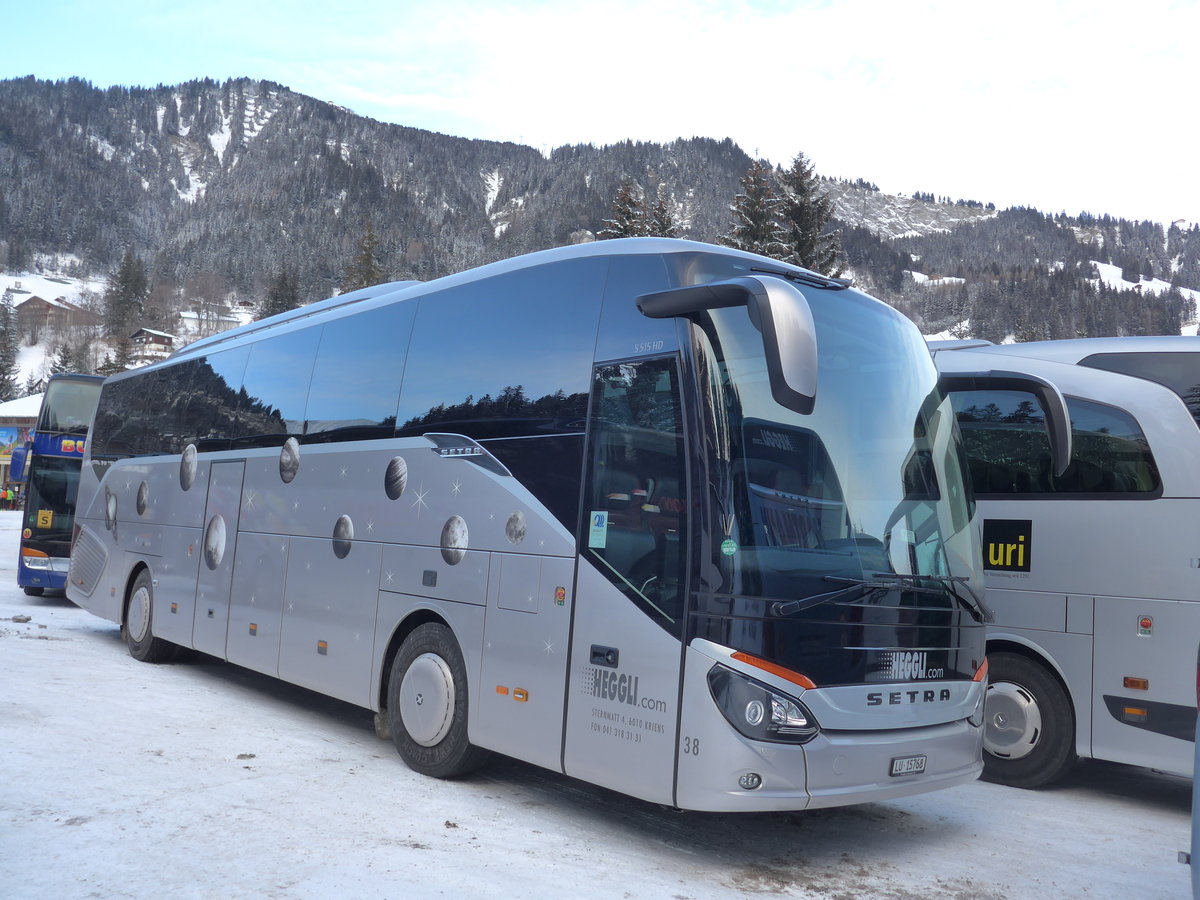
(88, 559)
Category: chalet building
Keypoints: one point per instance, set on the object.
(35, 315)
(150, 346)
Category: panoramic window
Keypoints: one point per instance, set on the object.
(356, 379)
(275, 388)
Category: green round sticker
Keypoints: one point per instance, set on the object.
(729, 546)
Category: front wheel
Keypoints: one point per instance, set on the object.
(138, 628)
(1029, 726)
(427, 705)
(34, 591)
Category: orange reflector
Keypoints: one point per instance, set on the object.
(253, 629)
(501, 690)
(323, 648)
(521, 695)
(785, 674)
(29, 551)
(1136, 712)
(1137, 684)
(981, 672)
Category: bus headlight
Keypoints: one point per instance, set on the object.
(34, 559)
(759, 712)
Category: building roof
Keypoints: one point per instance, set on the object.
(22, 407)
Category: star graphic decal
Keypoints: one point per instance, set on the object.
(420, 503)
(456, 487)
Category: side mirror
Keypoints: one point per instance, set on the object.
(782, 316)
(1058, 419)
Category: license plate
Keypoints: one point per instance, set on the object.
(908, 765)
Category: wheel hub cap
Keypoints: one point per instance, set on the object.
(427, 699)
(1013, 721)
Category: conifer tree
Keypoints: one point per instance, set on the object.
(125, 297)
(804, 212)
(628, 213)
(660, 222)
(364, 269)
(10, 342)
(755, 227)
(284, 294)
(63, 360)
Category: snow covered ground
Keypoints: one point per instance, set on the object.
(200, 779)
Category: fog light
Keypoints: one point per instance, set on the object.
(751, 781)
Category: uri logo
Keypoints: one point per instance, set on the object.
(1007, 545)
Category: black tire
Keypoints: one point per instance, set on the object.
(1029, 736)
(427, 705)
(34, 591)
(138, 625)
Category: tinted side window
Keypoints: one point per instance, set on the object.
(210, 416)
(1008, 452)
(1178, 371)
(508, 356)
(624, 331)
(118, 419)
(164, 390)
(356, 380)
(275, 388)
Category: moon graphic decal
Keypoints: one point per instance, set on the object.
(514, 528)
(454, 540)
(143, 495)
(214, 542)
(395, 479)
(289, 460)
(187, 467)
(343, 534)
(110, 509)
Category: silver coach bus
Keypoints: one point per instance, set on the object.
(677, 520)
(1094, 572)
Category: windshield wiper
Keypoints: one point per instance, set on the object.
(979, 610)
(855, 587)
(887, 581)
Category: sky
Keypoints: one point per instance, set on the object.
(1062, 105)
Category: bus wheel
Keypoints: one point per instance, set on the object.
(34, 591)
(1029, 726)
(427, 705)
(137, 630)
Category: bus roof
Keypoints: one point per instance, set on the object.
(397, 290)
(1072, 351)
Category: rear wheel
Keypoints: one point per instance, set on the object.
(139, 619)
(427, 705)
(1029, 726)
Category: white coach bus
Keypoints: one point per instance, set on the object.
(677, 520)
(1094, 572)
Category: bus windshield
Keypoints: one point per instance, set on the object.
(869, 486)
(50, 499)
(68, 406)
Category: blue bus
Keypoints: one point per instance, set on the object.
(50, 465)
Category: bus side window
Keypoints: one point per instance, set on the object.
(210, 417)
(636, 513)
(356, 379)
(276, 389)
(1009, 454)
